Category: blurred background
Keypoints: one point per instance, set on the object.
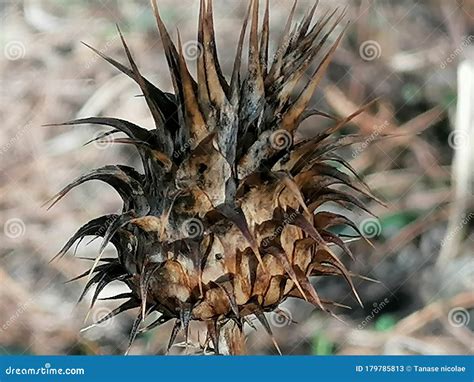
(416, 57)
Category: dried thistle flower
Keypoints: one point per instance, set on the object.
(226, 221)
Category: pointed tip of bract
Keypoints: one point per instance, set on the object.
(263, 320)
(159, 20)
(118, 29)
(55, 124)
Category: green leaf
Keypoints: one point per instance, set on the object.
(385, 323)
(322, 345)
(393, 223)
